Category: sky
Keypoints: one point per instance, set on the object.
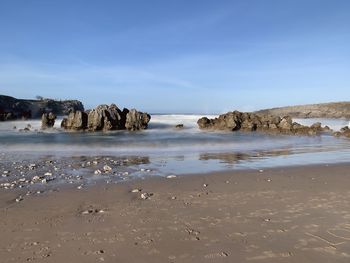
(183, 56)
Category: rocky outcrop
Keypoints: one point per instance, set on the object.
(76, 120)
(12, 108)
(137, 120)
(106, 118)
(345, 132)
(48, 120)
(322, 110)
(245, 121)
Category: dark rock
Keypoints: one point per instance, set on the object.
(136, 120)
(48, 120)
(12, 108)
(246, 121)
(179, 126)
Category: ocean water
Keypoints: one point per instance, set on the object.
(179, 151)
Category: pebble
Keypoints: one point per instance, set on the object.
(32, 166)
(136, 190)
(145, 196)
(107, 168)
(48, 174)
(19, 199)
(205, 185)
(97, 172)
(35, 178)
(44, 181)
(142, 169)
(126, 173)
(171, 176)
(260, 171)
(269, 180)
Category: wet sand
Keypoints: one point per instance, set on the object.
(295, 214)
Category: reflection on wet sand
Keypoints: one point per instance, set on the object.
(233, 158)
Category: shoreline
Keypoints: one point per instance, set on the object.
(284, 214)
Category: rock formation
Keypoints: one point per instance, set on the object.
(12, 108)
(48, 120)
(245, 121)
(322, 110)
(76, 120)
(106, 118)
(345, 131)
(137, 120)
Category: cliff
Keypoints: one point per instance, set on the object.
(12, 108)
(322, 110)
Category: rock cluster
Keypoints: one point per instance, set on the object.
(106, 118)
(345, 131)
(245, 121)
(48, 120)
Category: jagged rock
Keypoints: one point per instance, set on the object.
(105, 118)
(136, 120)
(48, 120)
(179, 126)
(246, 121)
(286, 123)
(75, 121)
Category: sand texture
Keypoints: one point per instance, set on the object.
(298, 214)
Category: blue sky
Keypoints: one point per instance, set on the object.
(177, 56)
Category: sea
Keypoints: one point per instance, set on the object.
(179, 151)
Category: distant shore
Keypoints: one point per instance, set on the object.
(291, 214)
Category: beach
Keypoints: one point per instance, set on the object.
(283, 214)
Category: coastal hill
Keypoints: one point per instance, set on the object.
(322, 110)
(12, 108)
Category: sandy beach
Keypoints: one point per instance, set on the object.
(292, 214)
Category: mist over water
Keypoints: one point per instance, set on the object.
(186, 150)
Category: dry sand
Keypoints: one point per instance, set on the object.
(298, 214)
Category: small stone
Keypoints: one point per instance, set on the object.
(205, 185)
(6, 172)
(48, 174)
(260, 171)
(32, 166)
(126, 173)
(145, 196)
(142, 169)
(98, 172)
(19, 199)
(80, 187)
(269, 180)
(173, 198)
(35, 178)
(171, 176)
(94, 162)
(136, 190)
(44, 181)
(107, 168)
